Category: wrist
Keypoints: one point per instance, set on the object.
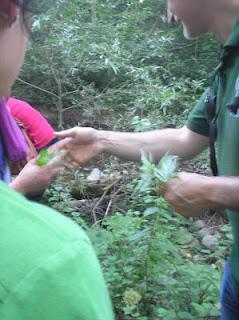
(103, 140)
(207, 193)
(217, 192)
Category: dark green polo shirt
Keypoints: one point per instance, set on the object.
(48, 268)
(225, 86)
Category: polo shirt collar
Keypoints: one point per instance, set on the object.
(231, 46)
(233, 40)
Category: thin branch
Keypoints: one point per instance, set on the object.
(154, 26)
(111, 201)
(108, 208)
(69, 108)
(119, 209)
(70, 92)
(36, 87)
(96, 206)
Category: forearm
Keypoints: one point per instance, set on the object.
(129, 145)
(223, 192)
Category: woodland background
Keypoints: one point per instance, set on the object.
(116, 65)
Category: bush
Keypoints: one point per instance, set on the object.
(148, 276)
(104, 56)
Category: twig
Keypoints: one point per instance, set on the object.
(96, 206)
(59, 89)
(111, 201)
(108, 187)
(182, 47)
(36, 87)
(120, 209)
(68, 108)
(154, 26)
(211, 218)
(70, 92)
(108, 208)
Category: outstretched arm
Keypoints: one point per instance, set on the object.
(87, 143)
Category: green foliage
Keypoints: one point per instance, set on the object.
(148, 276)
(154, 176)
(102, 56)
(58, 196)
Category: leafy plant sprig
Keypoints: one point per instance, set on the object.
(155, 176)
(45, 156)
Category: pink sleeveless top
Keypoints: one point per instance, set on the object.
(38, 129)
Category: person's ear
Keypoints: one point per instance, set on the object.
(8, 12)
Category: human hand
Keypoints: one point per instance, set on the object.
(33, 178)
(188, 193)
(83, 146)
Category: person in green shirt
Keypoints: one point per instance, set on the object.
(48, 268)
(192, 194)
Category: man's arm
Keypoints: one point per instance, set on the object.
(193, 194)
(182, 142)
(87, 143)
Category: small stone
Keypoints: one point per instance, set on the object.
(204, 232)
(210, 242)
(197, 258)
(199, 224)
(94, 176)
(186, 239)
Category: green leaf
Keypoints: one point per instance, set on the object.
(155, 176)
(167, 167)
(45, 156)
(150, 211)
(140, 235)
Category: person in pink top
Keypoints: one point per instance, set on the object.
(38, 129)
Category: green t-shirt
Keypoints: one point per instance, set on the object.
(225, 87)
(48, 268)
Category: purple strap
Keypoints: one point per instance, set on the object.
(13, 140)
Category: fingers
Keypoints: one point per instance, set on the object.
(65, 133)
(57, 161)
(57, 172)
(59, 145)
(71, 163)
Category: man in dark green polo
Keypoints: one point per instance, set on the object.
(216, 116)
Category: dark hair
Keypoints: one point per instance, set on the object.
(27, 7)
(8, 11)
(24, 9)
(31, 7)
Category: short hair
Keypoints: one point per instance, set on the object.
(8, 11)
(26, 7)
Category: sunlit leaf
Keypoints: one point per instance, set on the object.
(154, 176)
(45, 156)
